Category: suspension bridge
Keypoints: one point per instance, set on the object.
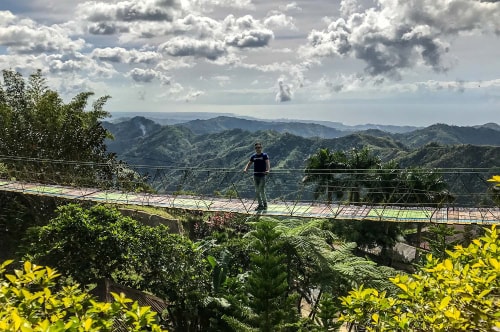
(414, 195)
(391, 213)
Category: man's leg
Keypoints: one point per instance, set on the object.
(263, 192)
(259, 183)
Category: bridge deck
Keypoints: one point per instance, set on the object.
(282, 208)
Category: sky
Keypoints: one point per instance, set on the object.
(400, 62)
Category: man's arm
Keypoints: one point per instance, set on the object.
(247, 165)
(268, 166)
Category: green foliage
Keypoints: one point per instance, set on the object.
(37, 124)
(3, 170)
(31, 300)
(343, 173)
(176, 146)
(328, 310)
(459, 293)
(321, 169)
(440, 240)
(495, 189)
(45, 139)
(267, 285)
(91, 244)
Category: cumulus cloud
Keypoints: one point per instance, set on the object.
(277, 20)
(200, 26)
(291, 7)
(129, 18)
(128, 11)
(192, 95)
(208, 6)
(245, 32)
(178, 93)
(27, 37)
(254, 38)
(147, 75)
(143, 75)
(107, 28)
(206, 38)
(401, 34)
(122, 55)
(184, 46)
(284, 92)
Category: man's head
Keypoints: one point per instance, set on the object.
(258, 146)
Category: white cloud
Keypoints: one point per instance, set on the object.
(402, 34)
(143, 75)
(129, 11)
(321, 50)
(284, 92)
(290, 7)
(209, 6)
(184, 46)
(122, 55)
(245, 32)
(277, 20)
(27, 37)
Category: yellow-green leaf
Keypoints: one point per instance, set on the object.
(494, 178)
(88, 324)
(448, 264)
(483, 293)
(494, 263)
(11, 278)
(444, 302)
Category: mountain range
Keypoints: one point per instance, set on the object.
(224, 143)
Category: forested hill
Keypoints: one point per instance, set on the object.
(223, 123)
(142, 141)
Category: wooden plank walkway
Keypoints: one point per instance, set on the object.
(455, 215)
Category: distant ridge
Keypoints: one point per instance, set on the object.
(173, 118)
(211, 123)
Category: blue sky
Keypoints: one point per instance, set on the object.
(404, 62)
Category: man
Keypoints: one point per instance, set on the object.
(261, 167)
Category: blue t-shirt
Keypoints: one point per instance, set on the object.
(259, 163)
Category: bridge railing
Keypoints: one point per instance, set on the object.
(463, 187)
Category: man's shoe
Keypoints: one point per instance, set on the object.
(259, 208)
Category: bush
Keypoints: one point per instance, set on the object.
(459, 293)
(30, 301)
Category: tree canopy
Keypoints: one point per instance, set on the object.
(99, 242)
(39, 128)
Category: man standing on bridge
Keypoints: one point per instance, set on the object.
(261, 167)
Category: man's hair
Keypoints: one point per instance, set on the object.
(257, 143)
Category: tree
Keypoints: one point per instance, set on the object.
(316, 266)
(267, 285)
(344, 173)
(361, 164)
(44, 139)
(319, 263)
(441, 240)
(32, 300)
(96, 243)
(419, 186)
(321, 169)
(459, 293)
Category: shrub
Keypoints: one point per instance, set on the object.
(31, 301)
(459, 293)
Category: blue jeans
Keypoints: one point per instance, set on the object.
(260, 189)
